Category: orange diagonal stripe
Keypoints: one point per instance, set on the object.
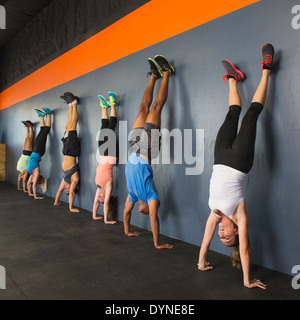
(152, 23)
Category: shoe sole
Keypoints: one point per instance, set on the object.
(47, 111)
(70, 95)
(42, 112)
(235, 69)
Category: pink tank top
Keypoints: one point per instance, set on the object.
(104, 172)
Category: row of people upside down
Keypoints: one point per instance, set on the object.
(233, 153)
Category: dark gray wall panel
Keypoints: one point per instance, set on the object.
(198, 99)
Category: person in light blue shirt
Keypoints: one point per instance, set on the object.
(144, 140)
(33, 167)
(140, 182)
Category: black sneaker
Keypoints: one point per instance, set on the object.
(232, 71)
(25, 123)
(154, 69)
(69, 97)
(164, 64)
(267, 52)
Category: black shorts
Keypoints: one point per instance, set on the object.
(71, 143)
(145, 141)
(111, 148)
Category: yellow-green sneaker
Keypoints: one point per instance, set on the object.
(103, 102)
(113, 99)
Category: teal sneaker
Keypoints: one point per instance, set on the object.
(164, 64)
(113, 99)
(47, 111)
(103, 102)
(40, 113)
(154, 69)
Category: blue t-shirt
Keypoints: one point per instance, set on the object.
(33, 162)
(139, 176)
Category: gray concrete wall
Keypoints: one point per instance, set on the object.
(198, 99)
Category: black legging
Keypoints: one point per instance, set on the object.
(111, 124)
(237, 150)
(40, 141)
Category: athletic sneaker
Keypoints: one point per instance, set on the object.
(40, 113)
(103, 102)
(29, 123)
(232, 71)
(69, 97)
(154, 69)
(66, 99)
(113, 99)
(25, 123)
(47, 111)
(267, 52)
(164, 64)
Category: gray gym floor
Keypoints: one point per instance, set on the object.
(49, 253)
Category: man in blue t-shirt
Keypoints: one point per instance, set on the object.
(144, 140)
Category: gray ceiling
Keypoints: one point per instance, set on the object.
(18, 14)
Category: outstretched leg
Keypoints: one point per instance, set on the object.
(228, 131)
(145, 104)
(28, 144)
(261, 92)
(244, 144)
(154, 115)
(72, 117)
(40, 145)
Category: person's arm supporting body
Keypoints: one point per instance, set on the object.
(126, 219)
(96, 206)
(245, 251)
(19, 182)
(72, 195)
(210, 228)
(59, 193)
(36, 175)
(29, 183)
(153, 212)
(25, 178)
(108, 191)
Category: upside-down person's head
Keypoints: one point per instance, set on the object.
(228, 232)
(101, 195)
(144, 207)
(67, 188)
(229, 236)
(43, 182)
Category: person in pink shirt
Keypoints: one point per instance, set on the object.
(108, 159)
